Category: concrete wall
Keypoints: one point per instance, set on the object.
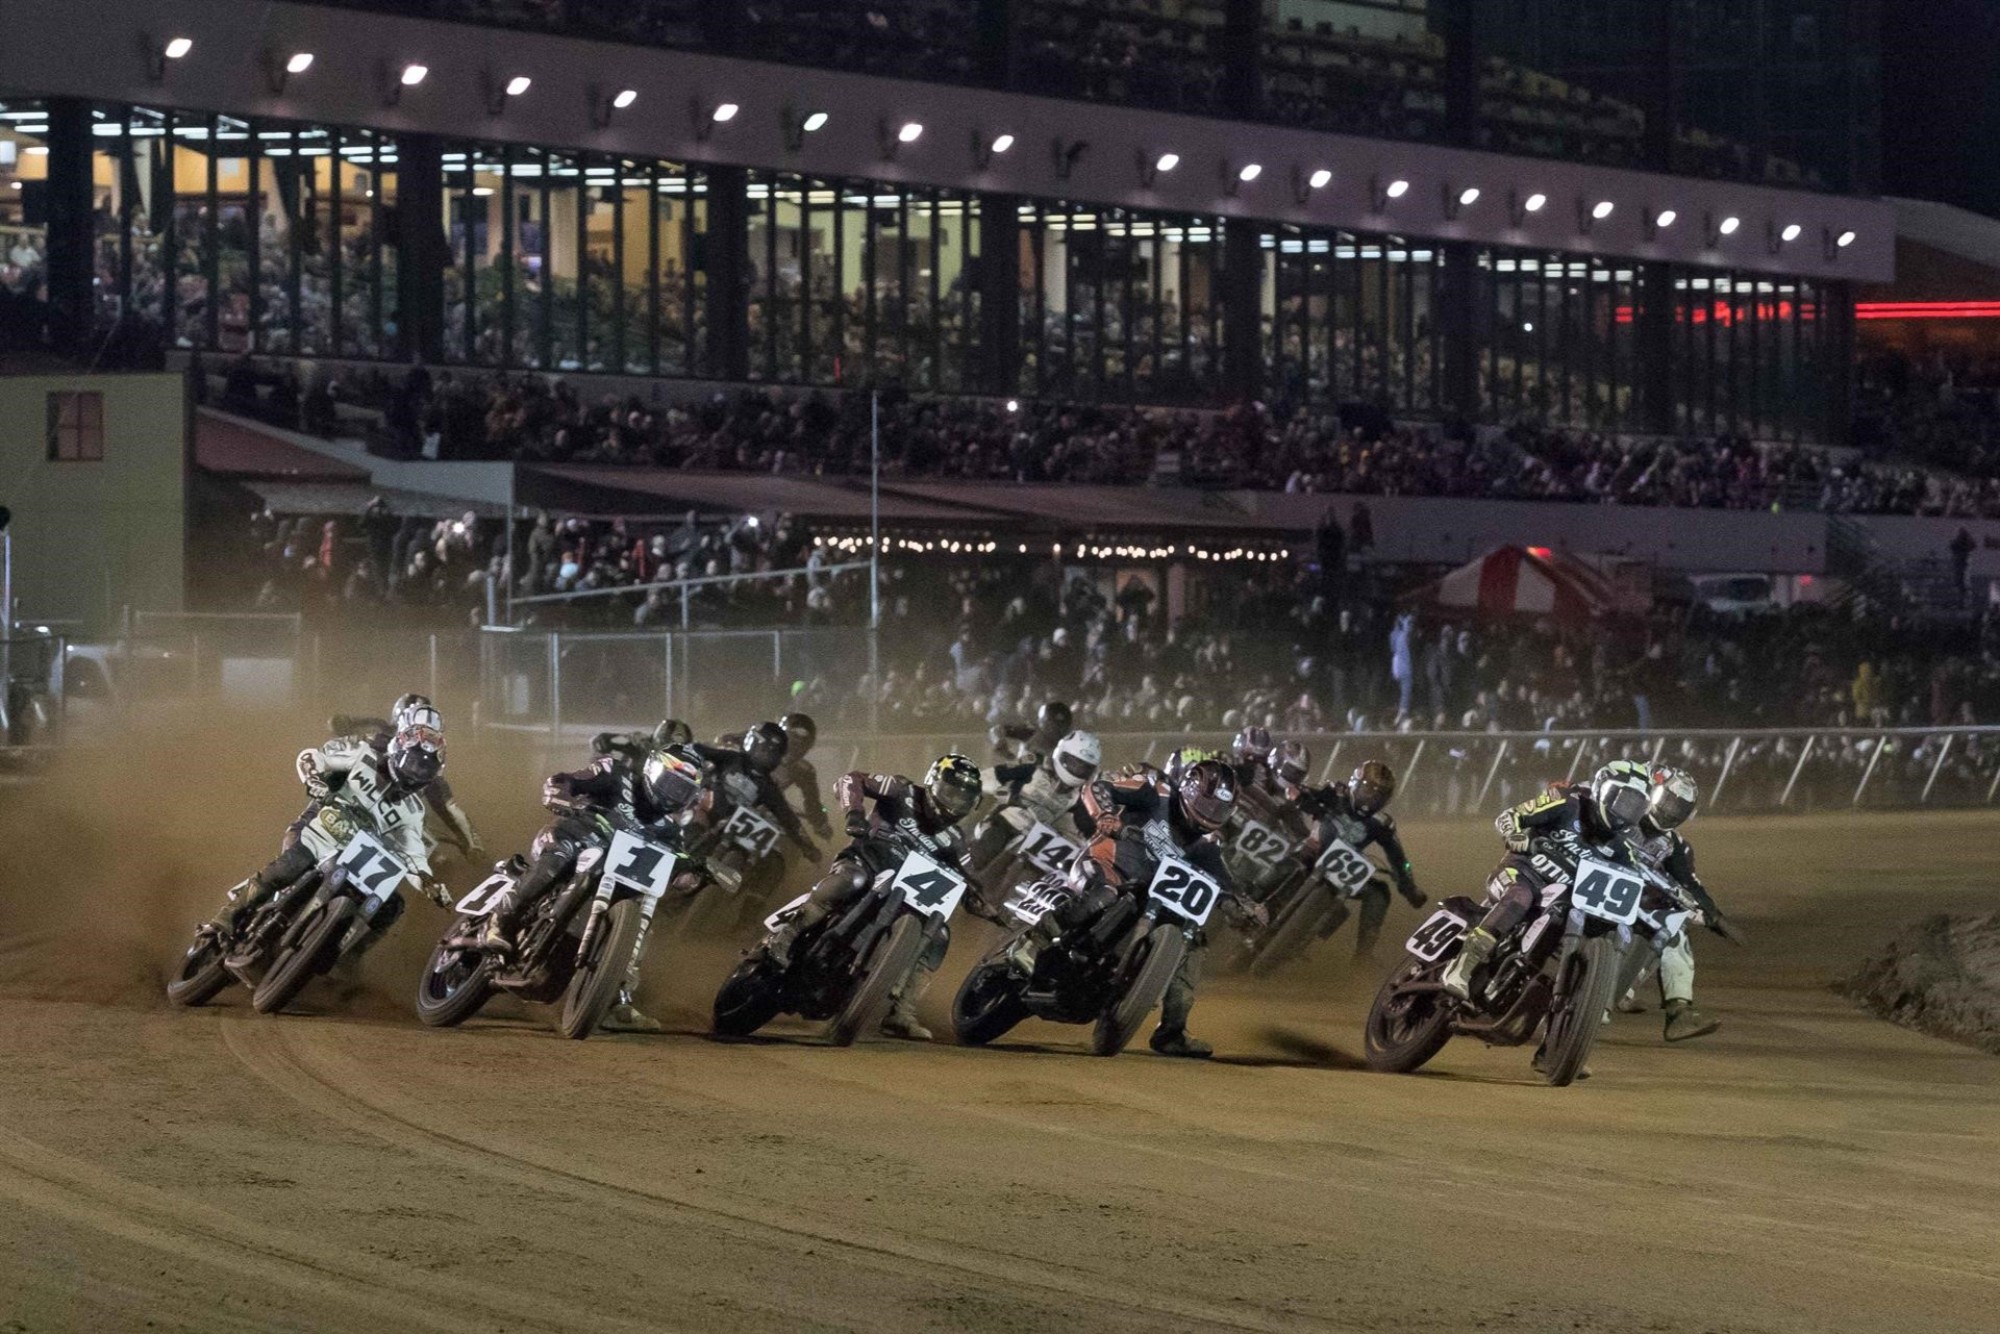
(91, 537)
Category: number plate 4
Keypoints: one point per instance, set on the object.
(928, 887)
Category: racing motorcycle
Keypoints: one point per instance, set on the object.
(305, 929)
(1035, 850)
(1111, 972)
(576, 947)
(1313, 908)
(1557, 974)
(743, 846)
(847, 969)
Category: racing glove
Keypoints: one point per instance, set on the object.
(1407, 887)
(857, 825)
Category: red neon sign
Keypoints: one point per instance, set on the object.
(1726, 312)
(1927, 310)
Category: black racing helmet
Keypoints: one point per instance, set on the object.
(672, 732)
(1251, 745)
(1370, 786)
(800, 733)
(674, 778)
(764, 746)
(1292, 762)
(954, 785)
(1205, 795)
(1053, 718)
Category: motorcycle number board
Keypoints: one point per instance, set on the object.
(1046, 850)
(928, 887)
(751, 831)
(1261, 844)
(484, 895)
(1602, 889)
(1345, 867)
(642, 867)
(1183, 890)
(1440, 931)
(373, 867)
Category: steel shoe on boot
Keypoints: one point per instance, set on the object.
(1629, 1003)
(778, 945)
(1684, 1022)
(625, 1017)
(494, 940)
(902, 1022)
(1457, 976)
(1176, 1042)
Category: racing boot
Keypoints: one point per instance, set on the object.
(1457, 976)
(902, 1021)
(1177, 1042)
(1684, 1022)
(1171, 1037)
(627, 1017)
(236, 907)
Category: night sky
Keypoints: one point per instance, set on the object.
(1941, 101)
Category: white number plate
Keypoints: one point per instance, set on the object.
(1261, 844)
(1046, 850)
(480, 901)
(928, 887)
(1345, 867)
(645, 868)
(786, 913)
(373, 867)
(1607, 891)
(1184, 890)
(749, 830)
(1440, 931)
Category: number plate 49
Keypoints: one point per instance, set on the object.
(1607, 891)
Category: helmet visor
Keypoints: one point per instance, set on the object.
(1624, 807)
(1075, 767)
(1671, 810)
(955, 799)
(1368, 797)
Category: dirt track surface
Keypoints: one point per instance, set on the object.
(1809, 1168)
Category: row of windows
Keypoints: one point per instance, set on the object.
(249, 236)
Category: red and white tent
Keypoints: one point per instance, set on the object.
(1528, 581)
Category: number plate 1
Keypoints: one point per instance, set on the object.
(1604, 890)
(483, 896)
(1184, 890)
(928, 887)
(1345, 867)
(1440, 931)
(1046, 850)
(642, 867)
(751, 831)
(373, 867)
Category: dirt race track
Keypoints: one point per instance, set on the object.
(1808, 1168)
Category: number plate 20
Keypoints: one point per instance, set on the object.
(1183, 890)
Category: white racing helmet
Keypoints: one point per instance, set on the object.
(1623, 791)
(1673, 798)
(1077, 758)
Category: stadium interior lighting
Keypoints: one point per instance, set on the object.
(910, 133)
(1251, 171)
(299, 63)
(1602, 210)
(725, 113)
(1535, 202)
(519, 84)
(414, 75)
(1320, 179)
(156, 56)
(1151, 167)
(177, 48)
(1468, 196)
(1791, 233)
(625, 98)
(1001, 143)
(1665, 218)
(814, 122)
(1397, 188)
(1166, 162)
(1845, 239)
(1729, 225)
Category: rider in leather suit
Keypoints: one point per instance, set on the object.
(1354, 813)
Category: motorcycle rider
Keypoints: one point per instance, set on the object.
(794, 771)
(1664, 848)
(635, 746)
(926, 813)
(1136, 823)
(1607, 811)
(1048, 791)
(1029, 742)
(653, 794)
(1247, 756)
(1355, 812)
(401, 773)
(744, 776)
(378, 732)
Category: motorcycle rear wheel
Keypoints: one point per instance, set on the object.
(1160, 953)
(988, 1004)
(447, 997)
(895, 954)
(312, 955)
(749, 999)
(1399, 1042)
(203, 975)
(594, 987)
(1592, 986)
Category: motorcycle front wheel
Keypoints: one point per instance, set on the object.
(1159, 952)
(202, 975)
(1289, 936)
(749, 999)
(599, 976)
(457, 982)
(312, 953)
(895, 954)
(1588, 986)
(988, 1003)
(1405, 1029)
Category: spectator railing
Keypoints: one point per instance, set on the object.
(686, 588)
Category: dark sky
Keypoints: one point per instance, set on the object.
(1941, 101)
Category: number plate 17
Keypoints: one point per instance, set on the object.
(373, 867)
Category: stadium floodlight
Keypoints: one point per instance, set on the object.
(814, 122)
(893, 141)
(1845, 239)
(797, 126)
(1601, 210)
(156, 54)
(705, 116)
(499, 94)
(1251, 171)
(1665, 218)
(1791, 232)
(1458, 201)
(1001, 143)
(1468, 196)
(1535, 202)
(178, 48)
(625, 98)
(300, 62)
(414, 74)
(1320, 179)
(395, 83)
(518, 85)
(1588, 214)
(910, 133)
(986, 146)
(1151, 166)
(602, 108)
(1380, 194)
(278, 75)
(1397, 189)
(1730, 224)
(725, 113)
